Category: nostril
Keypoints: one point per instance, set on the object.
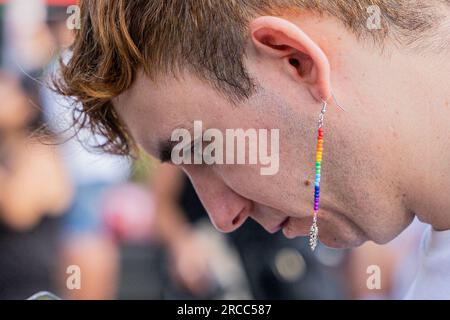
(236, 220)
(239, 218)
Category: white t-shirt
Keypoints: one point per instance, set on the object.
(433, 276)
(85, 166)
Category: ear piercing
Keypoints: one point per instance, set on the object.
(314, 231)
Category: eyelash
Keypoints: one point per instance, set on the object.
(166, 156)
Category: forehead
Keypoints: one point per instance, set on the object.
(152, 109)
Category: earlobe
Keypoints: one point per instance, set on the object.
(277, 38)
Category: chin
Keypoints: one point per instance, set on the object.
(338, 237)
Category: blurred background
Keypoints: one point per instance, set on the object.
(86, 225)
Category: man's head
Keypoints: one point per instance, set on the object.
(142, 69)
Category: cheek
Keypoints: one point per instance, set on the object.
(247, 181)
(360, 180)
(283, 191)
(297, 166)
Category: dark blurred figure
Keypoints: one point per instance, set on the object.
(274, 267)
(34, 190)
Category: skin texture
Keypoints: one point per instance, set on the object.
(386, 158)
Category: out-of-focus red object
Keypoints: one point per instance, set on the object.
(128, 212)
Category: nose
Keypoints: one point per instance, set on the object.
(226, 209)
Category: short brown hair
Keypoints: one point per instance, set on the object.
(206, 37)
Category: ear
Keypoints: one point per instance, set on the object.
(298, 55)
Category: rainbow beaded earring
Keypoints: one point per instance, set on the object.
(314, 231)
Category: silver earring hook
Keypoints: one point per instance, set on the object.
(336, 102)
(324, 109)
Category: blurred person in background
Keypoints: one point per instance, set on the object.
(274, 267)
(35, 35)
(34, 191)
(87, 241)
(29, 235)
